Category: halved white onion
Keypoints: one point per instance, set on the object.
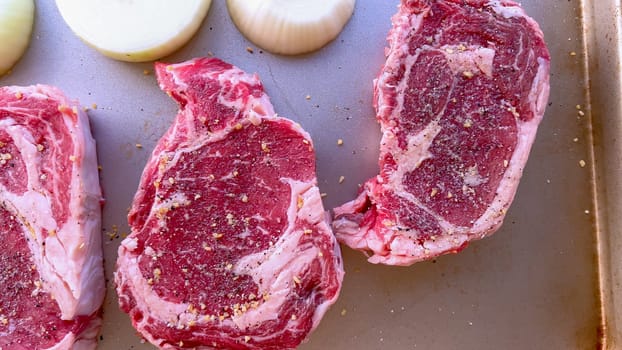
(134, 30)
(16, 19)
(290, 26)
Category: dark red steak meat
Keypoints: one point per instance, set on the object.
(51, 271)
(459, 101)
(229, 245)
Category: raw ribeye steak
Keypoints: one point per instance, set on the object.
(51, 268)
(229, 246)
(459, 100)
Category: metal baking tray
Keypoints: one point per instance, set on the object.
(549, 279)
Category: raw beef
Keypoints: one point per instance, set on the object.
(51, 269)
(229, 246)
(459, 100)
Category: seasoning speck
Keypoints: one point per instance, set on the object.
(339, 142)
(342, 179)
(514, 112)
(250, 49)
(582, 163)
(4, 157)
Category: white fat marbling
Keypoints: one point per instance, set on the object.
(70, 262)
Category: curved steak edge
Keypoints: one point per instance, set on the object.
(51, 204)
(232, 189)
(433, 194)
